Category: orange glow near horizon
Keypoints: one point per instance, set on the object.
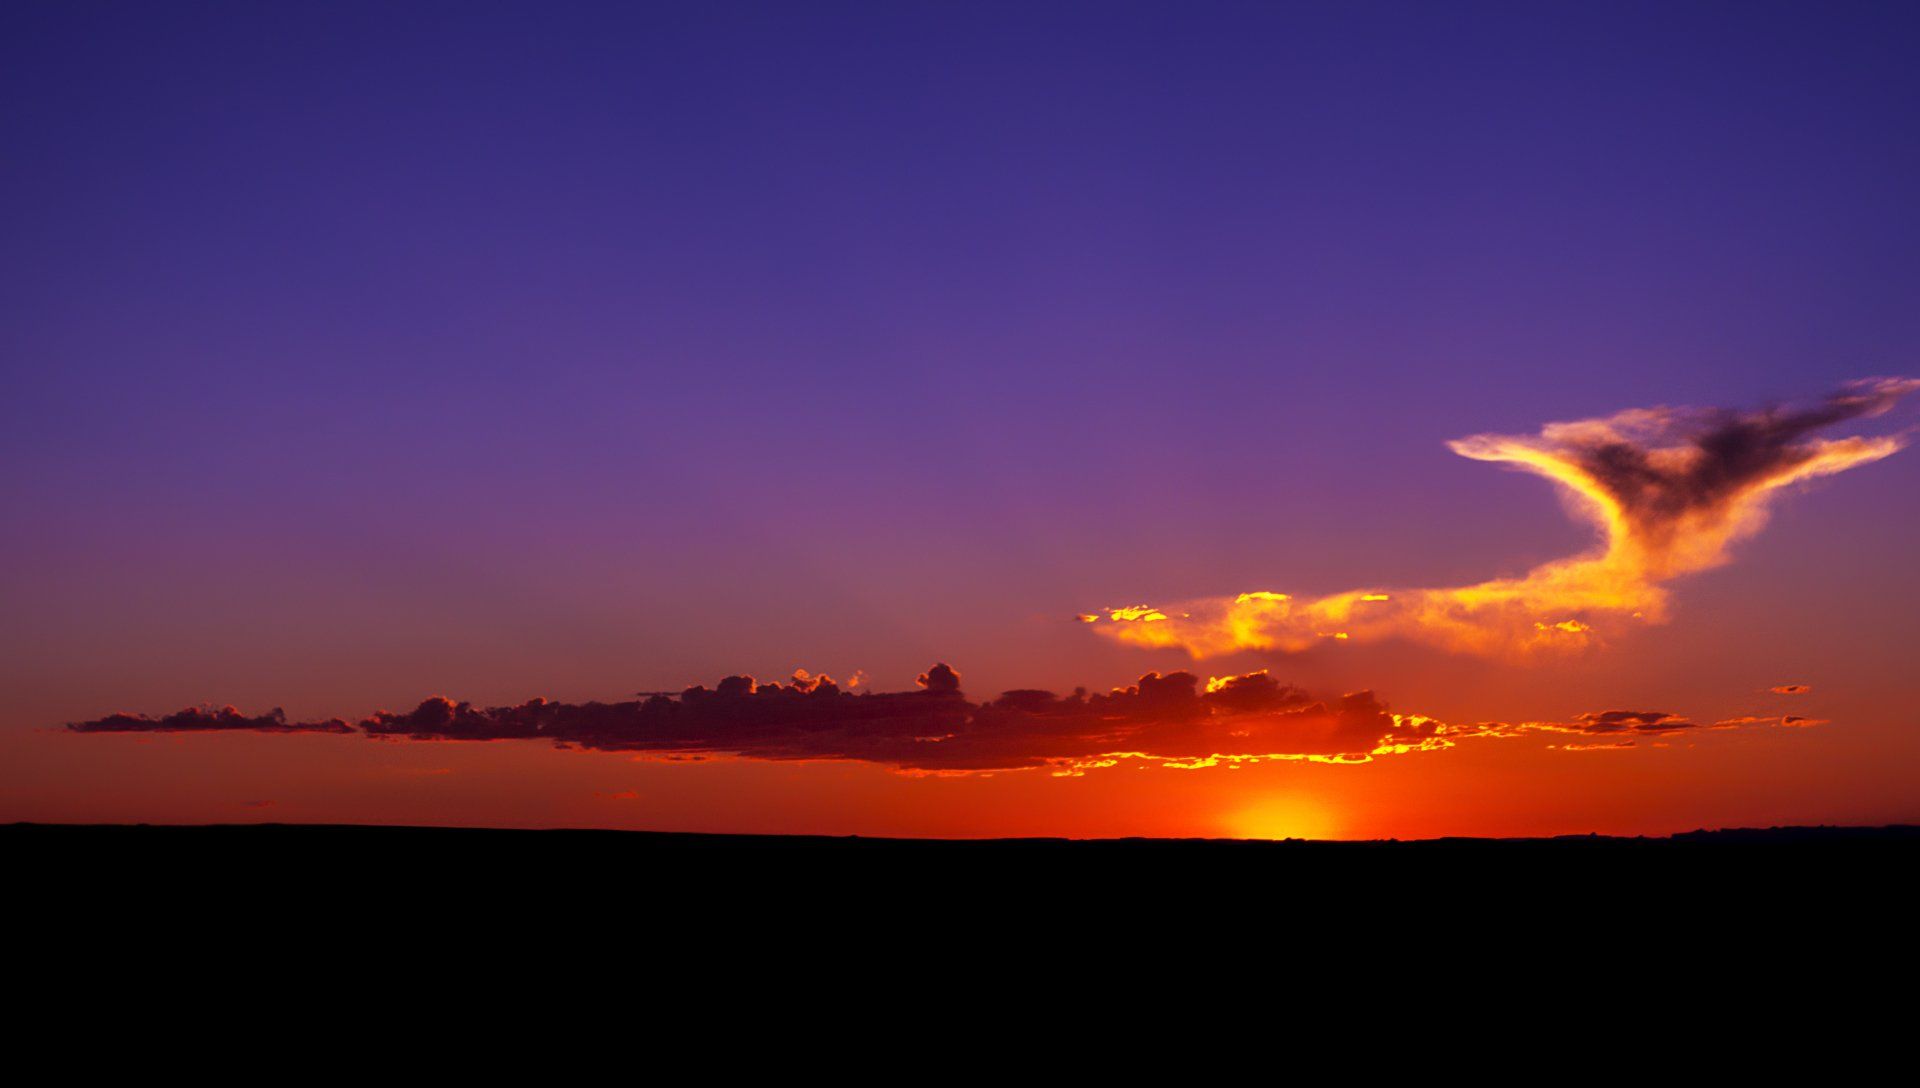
(1484, 790)
(1283, 817)
(1501, 741)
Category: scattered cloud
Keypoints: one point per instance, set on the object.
(1779, 721)
(1604, 722)
(1669, 490)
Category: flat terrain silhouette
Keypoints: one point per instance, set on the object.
(373, 838)
(327, 891)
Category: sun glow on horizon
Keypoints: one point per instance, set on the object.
(1283, 816)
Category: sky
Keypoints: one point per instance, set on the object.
(357, 356)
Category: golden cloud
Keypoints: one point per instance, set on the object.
(1668, 489)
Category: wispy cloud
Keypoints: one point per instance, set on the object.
(1624, 722)
(1669, 490)
(1783, 721)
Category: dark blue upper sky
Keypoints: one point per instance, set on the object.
(661, 331)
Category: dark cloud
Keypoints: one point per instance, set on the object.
(1666, 467)
(1791, 689)
(1632, 721)
(1172, 719)
(1621, 723)
(1168, 718)
(1615, 729)
(205, 720)
(940, 678)
(1656, 723)
(1783, 721)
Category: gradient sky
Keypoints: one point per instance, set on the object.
(355, 353)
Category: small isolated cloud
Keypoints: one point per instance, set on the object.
(1791, 689)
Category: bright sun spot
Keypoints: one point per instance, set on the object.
(1282, 817)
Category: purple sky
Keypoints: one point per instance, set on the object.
(354, 352)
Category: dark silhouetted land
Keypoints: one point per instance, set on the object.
(373, 839)
(1760, 899)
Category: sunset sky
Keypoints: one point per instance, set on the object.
(1475, 418)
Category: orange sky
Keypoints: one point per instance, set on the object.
(1525, 750)
(1280, 419)
(1787, 777)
